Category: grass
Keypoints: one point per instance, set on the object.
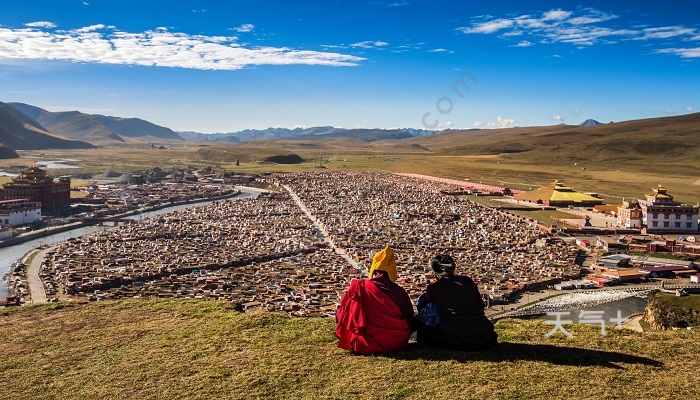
(31, 256)
(150, 349)
(690, 301)
(645, 325)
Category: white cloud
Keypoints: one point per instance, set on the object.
(244, 28)
(368, 44)
(684, 53)
(41, 24)
(556, 15)
(444, 125)
(558, 118)
(437, 51)
(390, 4)
(501, 122)
(85, 3)
(666, 32)
(159, 48)
(91, 28)
(576, 112)
(670, 112)
(688, 108)
(581, 28)
(488, 27)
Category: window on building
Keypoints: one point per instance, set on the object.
(666, 224)
(655, 224)
(665, 216)
(655, 215)
(688, 225)
(678, 224)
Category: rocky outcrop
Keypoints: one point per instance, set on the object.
(667, 311)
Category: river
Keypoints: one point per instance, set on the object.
(12, 254)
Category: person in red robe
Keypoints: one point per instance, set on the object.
(375, 314)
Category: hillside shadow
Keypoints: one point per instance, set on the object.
(506, 351)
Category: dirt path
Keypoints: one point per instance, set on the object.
(322, 228)
(633, 324)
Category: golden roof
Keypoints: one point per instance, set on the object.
(660, 193)
(558, 193)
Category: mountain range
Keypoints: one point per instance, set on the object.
(97, 129)
(659, 140)
(318, 132)
(20, 132)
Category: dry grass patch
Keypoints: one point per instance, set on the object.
(203, 350)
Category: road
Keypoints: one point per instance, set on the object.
(36, 288)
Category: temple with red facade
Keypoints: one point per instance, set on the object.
(36, 186)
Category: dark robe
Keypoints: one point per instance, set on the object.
(374, 316)
(464, 325)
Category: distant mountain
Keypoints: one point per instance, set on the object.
(590, 122)
(72, 124)
(196, 136)
(136, 127)
(313, 133)
(20, 132)
(97, 129)
(422, 132)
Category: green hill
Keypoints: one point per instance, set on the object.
(164, 349)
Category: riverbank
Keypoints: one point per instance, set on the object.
(24, 237)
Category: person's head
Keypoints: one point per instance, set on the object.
(384, 261)
(443, 264)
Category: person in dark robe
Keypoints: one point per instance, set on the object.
(456, 298)
(375, 315)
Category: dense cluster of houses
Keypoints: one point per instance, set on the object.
(266, 253)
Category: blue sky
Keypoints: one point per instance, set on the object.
(221, 66)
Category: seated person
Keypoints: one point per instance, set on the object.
(375, 314)
(462, 323)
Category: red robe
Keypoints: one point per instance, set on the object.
(369, 321)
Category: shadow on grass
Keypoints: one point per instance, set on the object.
(506, 351)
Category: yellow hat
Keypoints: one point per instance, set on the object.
(385, 261)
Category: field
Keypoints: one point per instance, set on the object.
(150, 349)
(614, 184)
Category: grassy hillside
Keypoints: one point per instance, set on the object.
(151, 349)
(6, 152)
(72, 124)
(664, 142)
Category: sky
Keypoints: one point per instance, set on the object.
(224, 66)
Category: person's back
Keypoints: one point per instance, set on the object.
(458, 301)
(374, 314)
